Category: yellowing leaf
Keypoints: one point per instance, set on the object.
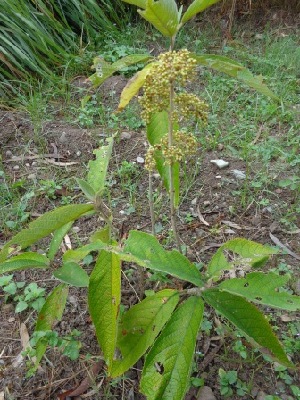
(133, 86)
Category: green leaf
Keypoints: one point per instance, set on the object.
(50, 313)
(246, 317)
(44, 225)
(243, 254)
(86, 188)
(98, 168)
(236, 70)
(156, 129)
(133, 86)
(261, 288)
(104, 69)
(24, 261)
(139, 3)
(140, 325)
(103, 235)
(145, 250)
(78, 254)
(196, 7)
(21, 306)
(57, 239)
(163, 15)
(104, 298)
(167, 367)
(72, 274)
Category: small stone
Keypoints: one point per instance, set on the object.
(78, 153)
(125, 135)
(205, 393)
(31, 176)
(194, 201)
(239, 174)
(63, 138)
(76, 229)
(206, 203)
(34, 164)
(16, 168)
(140, 160)
(218, 177)
(27, 164)
(221, 164)
(8, 153)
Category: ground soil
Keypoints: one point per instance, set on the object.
(209, 215)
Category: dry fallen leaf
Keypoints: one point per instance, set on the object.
(67, 241)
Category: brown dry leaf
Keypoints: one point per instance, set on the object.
(287, 318)
(201, 218)
(231, 224)
(286, 249)
(25, 343)
(1, 395)
(67, 241)
(85, 384)
(205, 393)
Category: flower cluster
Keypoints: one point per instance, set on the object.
(183, 144)
(188, 104)
(171, 68)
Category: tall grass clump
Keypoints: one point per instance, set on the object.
(38, 36)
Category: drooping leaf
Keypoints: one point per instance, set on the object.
(196, 7)
(78, 254)
(24, 261)
(261, 288)
(44, 225)
(140, 325)
(168, 364)
(138, 3)
(87, 189)
(98, 168)
(238, 253)
(57, 239)
(145, 250)
(133, 86)
(51, 312)
(72, 274)
(234, 69)
(104, 302)
(163, 15)
(104, 69)
(246, 317)
(157, 128)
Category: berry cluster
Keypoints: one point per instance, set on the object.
(184, 144)
(171, 68)
(188, 104)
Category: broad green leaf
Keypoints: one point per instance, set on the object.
(167, 367)
(140, 325)
(196, 7)
(104, 69)
(104, 302)
(57, 239)
(24, 261)
(156, 129)
(44, 225)
(163, 15)
(86, 188)
(98, 168)
(133, 86)
(78, 254)
(236, 70)
(103, 235)
(262, 288)
(51, 312)
(145, 250)
(246, 317)
(72, 274)
(238, 253)
(139, 3)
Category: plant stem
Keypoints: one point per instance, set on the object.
(173, 209)
(151, 207)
